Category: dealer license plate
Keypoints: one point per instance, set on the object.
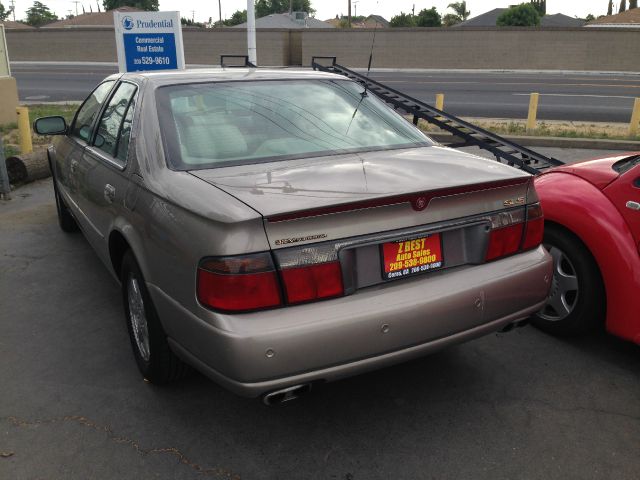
(410, 257)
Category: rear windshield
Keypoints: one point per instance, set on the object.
(233, 123)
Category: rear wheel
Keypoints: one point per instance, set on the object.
(154, 357)
(577, 301)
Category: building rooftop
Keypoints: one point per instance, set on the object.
(490, 18)
(630, 18)
(9, 25)
(95, 19)
(294, 20)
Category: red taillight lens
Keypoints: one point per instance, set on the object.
(504, 241)
(312, 282)
(535, 227)
(238, 283)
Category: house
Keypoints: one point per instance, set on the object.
(292, 21)
(89, 20)
(9, 25)
(490, 18)
(372, 21)
(628, 19)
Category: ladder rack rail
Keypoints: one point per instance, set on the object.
(504, 150)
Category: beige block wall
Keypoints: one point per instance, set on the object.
(99, 45)
(538, 49)
(8, 100)
(493, 48)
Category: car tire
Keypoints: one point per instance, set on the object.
(577, 301)
(65, 219)
(157, 363)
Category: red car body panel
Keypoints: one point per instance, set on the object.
(579, 198)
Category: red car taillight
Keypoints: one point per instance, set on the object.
(514, 231)
(504, 241)
(535, 227)
(312, 282)
(236, 284)
(251, 282)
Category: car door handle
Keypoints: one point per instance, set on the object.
(109, 193)
(74, 166)
(633, 205)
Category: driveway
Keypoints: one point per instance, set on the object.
(72, 404)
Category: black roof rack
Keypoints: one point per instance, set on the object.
(246, 63)
(504, 150)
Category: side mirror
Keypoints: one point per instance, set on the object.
(50, 126)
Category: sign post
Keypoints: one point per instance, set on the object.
(148, 41)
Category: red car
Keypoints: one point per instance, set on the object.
(592, 230)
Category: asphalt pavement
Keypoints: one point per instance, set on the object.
(520, 405)
(593, 97)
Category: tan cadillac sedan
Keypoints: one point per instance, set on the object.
(277, 229)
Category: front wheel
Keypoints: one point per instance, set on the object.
(157, 363)
(577, 301)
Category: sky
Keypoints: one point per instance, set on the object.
(330, 8)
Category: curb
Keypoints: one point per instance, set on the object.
(554, 142)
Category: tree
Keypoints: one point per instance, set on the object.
(4, 13)
(39, 14)
(268, 7)
(460, 9)
(149, 5)
(238, 17)
(428, 18)
(402, 20)
(610, 8)
(450, 19)
(633, 4)
(523, 15)
(540, 6)
(623, 6)
(589, 18)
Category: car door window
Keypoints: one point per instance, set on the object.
(116, 122)
(125, 133)
(89, 110)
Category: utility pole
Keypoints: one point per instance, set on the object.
(193, 16)
(220, 10)
(290, 7)
(76, 2)
(355, 8)
(13, 9)
(251, 32)
(349, 13)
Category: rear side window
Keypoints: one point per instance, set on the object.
(89, 110)
(112, 136)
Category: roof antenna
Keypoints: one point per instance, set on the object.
(373, 43)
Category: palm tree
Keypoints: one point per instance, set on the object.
(461, 10)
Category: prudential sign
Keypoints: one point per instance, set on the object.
(148, 41)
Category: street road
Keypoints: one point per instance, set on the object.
(577, 97)
(73, 405)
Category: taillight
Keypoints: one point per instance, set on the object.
(235, 284)
(312, 282)
(515, 231)
(247, 283)
(504, 241)
(535, 227)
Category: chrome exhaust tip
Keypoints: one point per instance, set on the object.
(285, 395)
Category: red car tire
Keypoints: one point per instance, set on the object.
(577, 301)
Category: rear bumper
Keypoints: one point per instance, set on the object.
(252, 354)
